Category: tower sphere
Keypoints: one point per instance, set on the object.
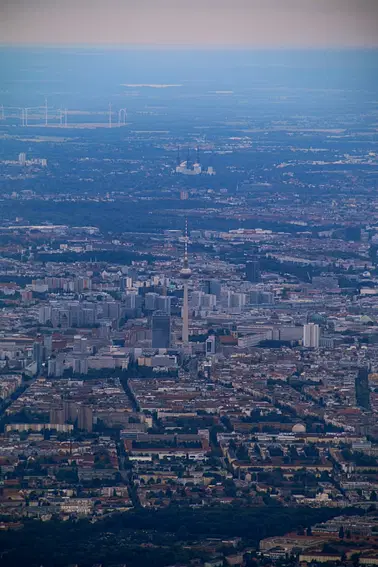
(185, 273)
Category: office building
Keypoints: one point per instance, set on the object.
(252, 271)
(362, 388)
(161, 330)
(80, 344)
(132, 300)
(258, 297)
(126, 283)
(48, 346)
(51, 367)
(44, 314)
(209, 301)
(70, 409)
(57, 416)
(237, 301)
(163, 303)
(311, 335)
(211, 345)
(38, 354)
(85, 418)
(201, 300)
(80, 365)
(81, 284)
(150, 301)
(212, 287)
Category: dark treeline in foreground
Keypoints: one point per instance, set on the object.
(120, 539)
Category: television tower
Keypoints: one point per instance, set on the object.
(185, 274)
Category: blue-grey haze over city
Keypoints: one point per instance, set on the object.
(188, 283)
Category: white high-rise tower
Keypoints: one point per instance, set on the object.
(311, 335)
(185, 274)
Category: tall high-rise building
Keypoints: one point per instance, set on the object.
(38, 354)
(252, 270)
(161, 330)
(201, 300)
(70, 409)
(22, 158)
(80, 365)
(163, 303)
(185, 274)
(211, 345)
(57, 416)
(212, 287)
(132, 300)
(45, 313)
(85, 418)
(51, 367)
(362, 388)
(311, 335)
(126, 283)
(81, 283)
(150, 300)
(80, 344)
(258, 297)
(48, 345)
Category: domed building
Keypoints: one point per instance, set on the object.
(298, 428)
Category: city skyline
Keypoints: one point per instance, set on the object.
(175, 397)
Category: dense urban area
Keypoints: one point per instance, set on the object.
(189, 318)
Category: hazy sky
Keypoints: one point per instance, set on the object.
(258, 23)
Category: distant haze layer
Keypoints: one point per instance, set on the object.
(255, 23)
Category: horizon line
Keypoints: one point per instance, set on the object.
(182, 46)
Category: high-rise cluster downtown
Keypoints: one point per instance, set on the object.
(161, 320)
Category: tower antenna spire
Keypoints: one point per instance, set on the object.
(185, 274)
(186, 262)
